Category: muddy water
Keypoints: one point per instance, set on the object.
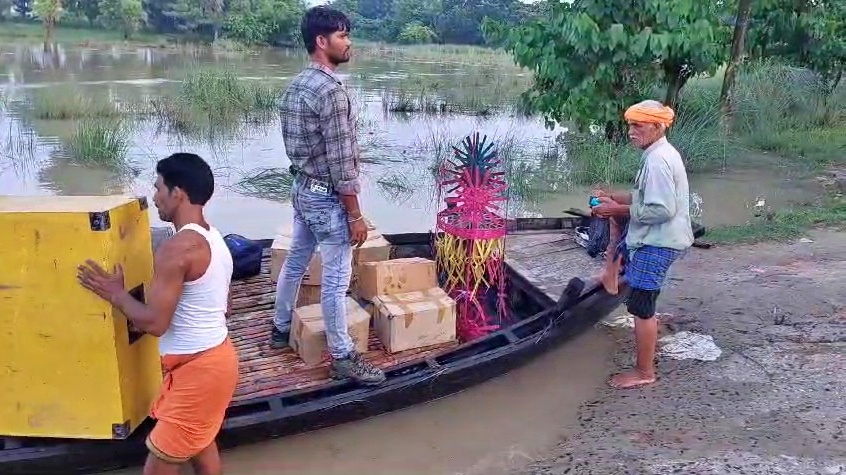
(489, 429)
(399, 150)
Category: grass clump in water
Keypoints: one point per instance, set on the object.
(221, 92)
(65, 104)
(215, 100)
(267, 183)
(99, 143)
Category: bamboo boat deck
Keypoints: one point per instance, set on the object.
(547, 259)
(266, 371)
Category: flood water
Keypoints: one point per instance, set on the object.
(490, 429)
(398, 149)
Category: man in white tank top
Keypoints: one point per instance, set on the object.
(188, 304)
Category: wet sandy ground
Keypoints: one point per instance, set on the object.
(493, 428)
(774, 402)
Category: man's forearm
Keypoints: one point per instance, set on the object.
(621, 210)
(622, 197)
(350, 203)
(139, 313)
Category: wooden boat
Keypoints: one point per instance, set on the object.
(277, 395)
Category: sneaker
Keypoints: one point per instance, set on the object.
(278, 338)
(355, 367)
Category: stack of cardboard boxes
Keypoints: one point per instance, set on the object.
(409, 309)
(404, 303)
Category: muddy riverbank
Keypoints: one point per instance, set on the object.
(774, 401)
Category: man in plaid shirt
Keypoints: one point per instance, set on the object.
(658, 230)
(318, 128)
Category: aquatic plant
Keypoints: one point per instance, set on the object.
(266, 183)
(220, 92)
(100, 143)
(63, 103)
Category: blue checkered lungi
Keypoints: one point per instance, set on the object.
(646, 267)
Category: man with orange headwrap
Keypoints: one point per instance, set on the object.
(658, 230)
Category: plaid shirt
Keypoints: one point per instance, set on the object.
(318, 128)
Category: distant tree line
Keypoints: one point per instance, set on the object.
(276, 22)
(273, 22)
(434, 21)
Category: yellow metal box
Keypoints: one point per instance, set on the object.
(71, 364)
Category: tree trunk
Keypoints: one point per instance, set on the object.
(674, 86)
(741, 26)
(613, 132)
(48, 34)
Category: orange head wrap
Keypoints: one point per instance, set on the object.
(652, 112)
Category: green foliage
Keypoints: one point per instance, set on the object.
(806, 33)
(49, 11)
(264, 21)
(448, 21)
(65, 103)
(125, 15)
(415, 33)
(100, 143)
(593, 58)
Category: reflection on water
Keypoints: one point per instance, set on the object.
(400, 151)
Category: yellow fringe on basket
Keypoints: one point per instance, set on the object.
(452, 258)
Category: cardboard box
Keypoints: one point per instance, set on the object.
(414, 319)
(73, 365)
(375, 248)
(308, 332)
(396, 276)
(309, 295)
(279, 251)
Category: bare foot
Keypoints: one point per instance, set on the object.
(610, 280)
(631, 379)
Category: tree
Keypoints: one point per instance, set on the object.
(125, 15)
(264, 21)
(741, 26)
(49, 11)
(197, 14)
(808, 33)
(415, 33)
(22, 7)
(592, 58)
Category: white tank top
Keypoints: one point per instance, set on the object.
(199, 322)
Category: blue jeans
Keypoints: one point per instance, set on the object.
(319, 219)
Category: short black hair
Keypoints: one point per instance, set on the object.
(322, 21)
(190, 173)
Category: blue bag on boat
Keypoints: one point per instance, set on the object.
(246, 256)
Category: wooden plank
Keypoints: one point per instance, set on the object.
(548, 260)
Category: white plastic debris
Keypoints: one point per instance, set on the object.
(623, 320)
(689, 345)
(805, 240)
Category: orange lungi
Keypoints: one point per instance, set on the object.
(195, 393)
